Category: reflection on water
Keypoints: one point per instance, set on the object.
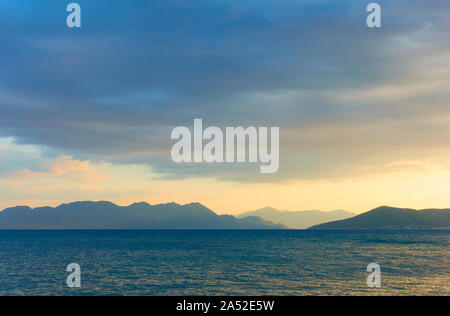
(224, 262)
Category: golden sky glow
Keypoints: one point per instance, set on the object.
(418, 184)
(364, 114)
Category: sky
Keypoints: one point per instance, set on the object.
(364, 113)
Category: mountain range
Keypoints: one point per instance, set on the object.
(106, 215)
(386, 217)
(297, 220)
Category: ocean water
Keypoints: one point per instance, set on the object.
(224, 262)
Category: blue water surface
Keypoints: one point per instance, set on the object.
(258, 262)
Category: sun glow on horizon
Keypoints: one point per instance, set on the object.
(403, 183)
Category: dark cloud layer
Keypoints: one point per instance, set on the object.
(114, 89)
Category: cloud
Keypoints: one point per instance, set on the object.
(414, 183)
(343, 95)
(66, 167)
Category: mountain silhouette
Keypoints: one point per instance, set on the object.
(297, 220)
(386, 217)
(106, 215)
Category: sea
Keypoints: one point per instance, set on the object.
(224, 262)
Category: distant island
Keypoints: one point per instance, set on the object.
(106, 215)
(299, 219)
(385, 217)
